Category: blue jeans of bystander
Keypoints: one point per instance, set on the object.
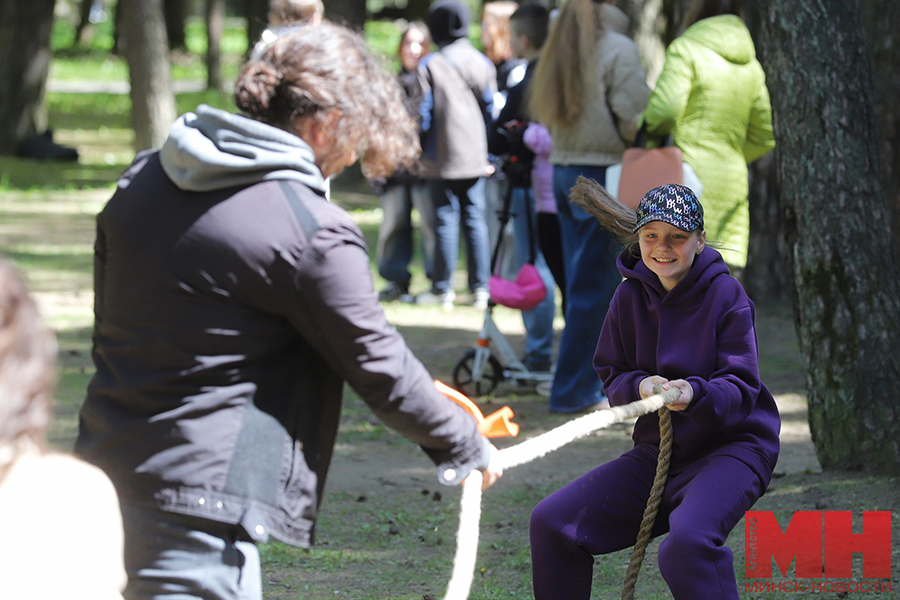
(589, 252)
(455, 202)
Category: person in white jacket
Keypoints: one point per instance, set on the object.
(60, 526)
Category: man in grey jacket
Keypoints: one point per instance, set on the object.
(459, 85)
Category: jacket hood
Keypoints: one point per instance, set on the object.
(726, 35)
(213, 149)
(707, 266)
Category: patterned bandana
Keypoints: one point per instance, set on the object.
(673, 204)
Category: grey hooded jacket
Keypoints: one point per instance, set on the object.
(232, 302)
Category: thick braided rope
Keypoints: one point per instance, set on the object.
(656, 492)
(520, 454)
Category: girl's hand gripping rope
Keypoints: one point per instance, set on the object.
(657, 385)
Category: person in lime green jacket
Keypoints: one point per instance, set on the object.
(712, 97)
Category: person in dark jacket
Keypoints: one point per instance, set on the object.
(232, 302)
(682, 321)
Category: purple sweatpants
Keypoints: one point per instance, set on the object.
(601, 512)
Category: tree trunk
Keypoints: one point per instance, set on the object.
(24, 63)
(351, 13)
(674, 12)
(215, 25)
(845, 282)
(117, 28)
(417, 10)
(766, 277)
(147, 53)
(83, 29)
(176, 13)
(881, 21)
(257, 14)
(646, 27)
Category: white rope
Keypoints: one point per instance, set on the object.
(470, 503)
(466, 541)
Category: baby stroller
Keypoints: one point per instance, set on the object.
(493, 359)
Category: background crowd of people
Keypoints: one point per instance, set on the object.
(574, 82)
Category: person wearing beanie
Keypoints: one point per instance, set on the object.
(459, 83)
(679, 320)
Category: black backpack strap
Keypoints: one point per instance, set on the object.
(306, 219)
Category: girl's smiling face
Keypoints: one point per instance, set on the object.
(668, 251)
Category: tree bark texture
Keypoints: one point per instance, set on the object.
(674, 12)
(215, 26)
(766, 277)
(646, 29)
(24, 63)
(147, 53)
(845, 281)
(881, 22)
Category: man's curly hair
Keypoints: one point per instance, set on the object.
(311, 71)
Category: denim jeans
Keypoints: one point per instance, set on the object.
(394, 251)
(539, 320)
(589, 252)
(455, 202)
(176, 557)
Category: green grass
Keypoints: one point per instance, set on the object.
(96, 62)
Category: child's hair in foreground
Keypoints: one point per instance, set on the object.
(27, 359)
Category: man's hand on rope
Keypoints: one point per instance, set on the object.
(490, 475)
(494, 470)
(687, 391)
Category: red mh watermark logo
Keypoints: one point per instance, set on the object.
(823, 543)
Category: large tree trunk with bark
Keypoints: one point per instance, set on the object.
(147, 53)
(24, 63)
(881, 22)
(215, 26)
(845, 280)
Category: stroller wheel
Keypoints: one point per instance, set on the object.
(473, 384)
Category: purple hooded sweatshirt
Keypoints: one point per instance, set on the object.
(702, 331)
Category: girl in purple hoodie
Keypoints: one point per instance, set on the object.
(680, 320)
